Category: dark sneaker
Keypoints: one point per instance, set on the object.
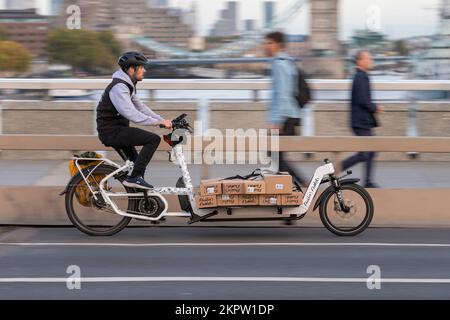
(137, 182)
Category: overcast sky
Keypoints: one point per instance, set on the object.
(397, 18)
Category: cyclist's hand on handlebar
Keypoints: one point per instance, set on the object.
(165, 124)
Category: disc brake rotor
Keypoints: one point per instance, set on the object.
(350, 204)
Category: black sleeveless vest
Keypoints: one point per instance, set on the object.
(108, 118)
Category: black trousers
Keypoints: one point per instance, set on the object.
(288, 129)
(366, 157)
(125, 139)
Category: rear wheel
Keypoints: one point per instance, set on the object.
(93, 216)
(355, 218)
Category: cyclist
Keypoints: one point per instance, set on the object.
(118, 106)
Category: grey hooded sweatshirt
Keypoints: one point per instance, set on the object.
(132, 107)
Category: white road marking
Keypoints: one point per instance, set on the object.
(224, 244)
(221, 279)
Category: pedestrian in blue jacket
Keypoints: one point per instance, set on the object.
(283, 113)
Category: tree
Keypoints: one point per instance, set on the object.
(108, 39)
(14, 57)
(3, 34)
(82, 49)
(401, 47)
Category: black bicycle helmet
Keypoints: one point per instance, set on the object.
(132, 58)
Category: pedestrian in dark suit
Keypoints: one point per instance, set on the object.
(363, 114)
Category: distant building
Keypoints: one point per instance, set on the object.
(232, 14)
(158, 3)
(20, 4)
(131, 18)
(56, 7)
(227, 24)
(366, 38)
(166, 28)
(324, 28)
(433, 62)
(268, 13)
(249, 25)
(444, 26)
(297, 45)
(189, 17)
(27, 28)
(222, 28)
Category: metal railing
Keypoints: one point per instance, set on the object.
(290, 144)
(255, 86)
(218, 84)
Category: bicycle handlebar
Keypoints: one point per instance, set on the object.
(179, 123)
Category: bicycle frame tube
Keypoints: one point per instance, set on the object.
(319, 174)
(189, 188)
(314, 185)
(156, 192)
(107, 195)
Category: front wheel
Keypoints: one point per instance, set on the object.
(357, 215)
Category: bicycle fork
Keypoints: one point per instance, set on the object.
(338, 191)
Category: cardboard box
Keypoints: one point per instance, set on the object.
(269, 200)
(226, 200)
(248, 200)
(235, 186)
(293, 199)
(205, 201)
(210, 187)
(278, 184)
(254, 187)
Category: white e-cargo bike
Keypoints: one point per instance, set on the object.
(345, 208)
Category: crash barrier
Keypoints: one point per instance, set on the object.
(393, 207)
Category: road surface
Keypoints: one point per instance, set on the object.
(224, 263)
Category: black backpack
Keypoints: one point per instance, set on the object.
(303, 95)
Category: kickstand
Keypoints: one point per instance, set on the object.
(197, 218)
(147, 200)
